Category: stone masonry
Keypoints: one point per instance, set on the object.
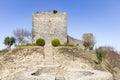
(49, 25)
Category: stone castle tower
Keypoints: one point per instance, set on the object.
(49, 25)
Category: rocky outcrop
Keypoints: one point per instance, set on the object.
(50, 72)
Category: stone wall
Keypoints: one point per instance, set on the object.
(49, 25)
(76, 42)
(88, 40)
(88, 37)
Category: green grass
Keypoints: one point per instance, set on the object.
(67, 44)
(29, 44)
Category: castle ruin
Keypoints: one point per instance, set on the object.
(50, 25)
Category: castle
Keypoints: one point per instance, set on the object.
(49, 25)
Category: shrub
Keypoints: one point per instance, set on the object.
(55, 42)
(100, 54)
(67, 44)
(40, 42)
(55, 11)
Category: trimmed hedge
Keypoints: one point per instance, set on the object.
(55, 42)
(40, 42)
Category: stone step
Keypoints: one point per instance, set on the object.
(48, 55)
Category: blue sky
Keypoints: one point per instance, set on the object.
(100, 17)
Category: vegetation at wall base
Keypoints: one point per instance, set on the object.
(28, 44)
(55, 42)
(40, 42)
(67, 44)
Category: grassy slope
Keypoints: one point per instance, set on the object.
(110, 64)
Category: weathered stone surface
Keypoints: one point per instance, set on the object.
(88, 40)
(48, 25)
(59, 78)
(76, 42)
(88, 37)
(90, 75)
(70, 74)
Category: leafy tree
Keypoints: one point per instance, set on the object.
(22, 36)
(9, 41)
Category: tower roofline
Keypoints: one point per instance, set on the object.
(54, 11)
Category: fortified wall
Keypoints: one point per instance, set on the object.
(49, 25)
(76, 42)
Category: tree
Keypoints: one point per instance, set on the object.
(9, 41)
(88, 41)
(22, 36)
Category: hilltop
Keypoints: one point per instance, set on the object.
(35, 62)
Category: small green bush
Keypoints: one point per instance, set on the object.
(40, 42)
(55, 11)
(100, 55)
(55, 42)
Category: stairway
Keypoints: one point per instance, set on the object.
(48, 59)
